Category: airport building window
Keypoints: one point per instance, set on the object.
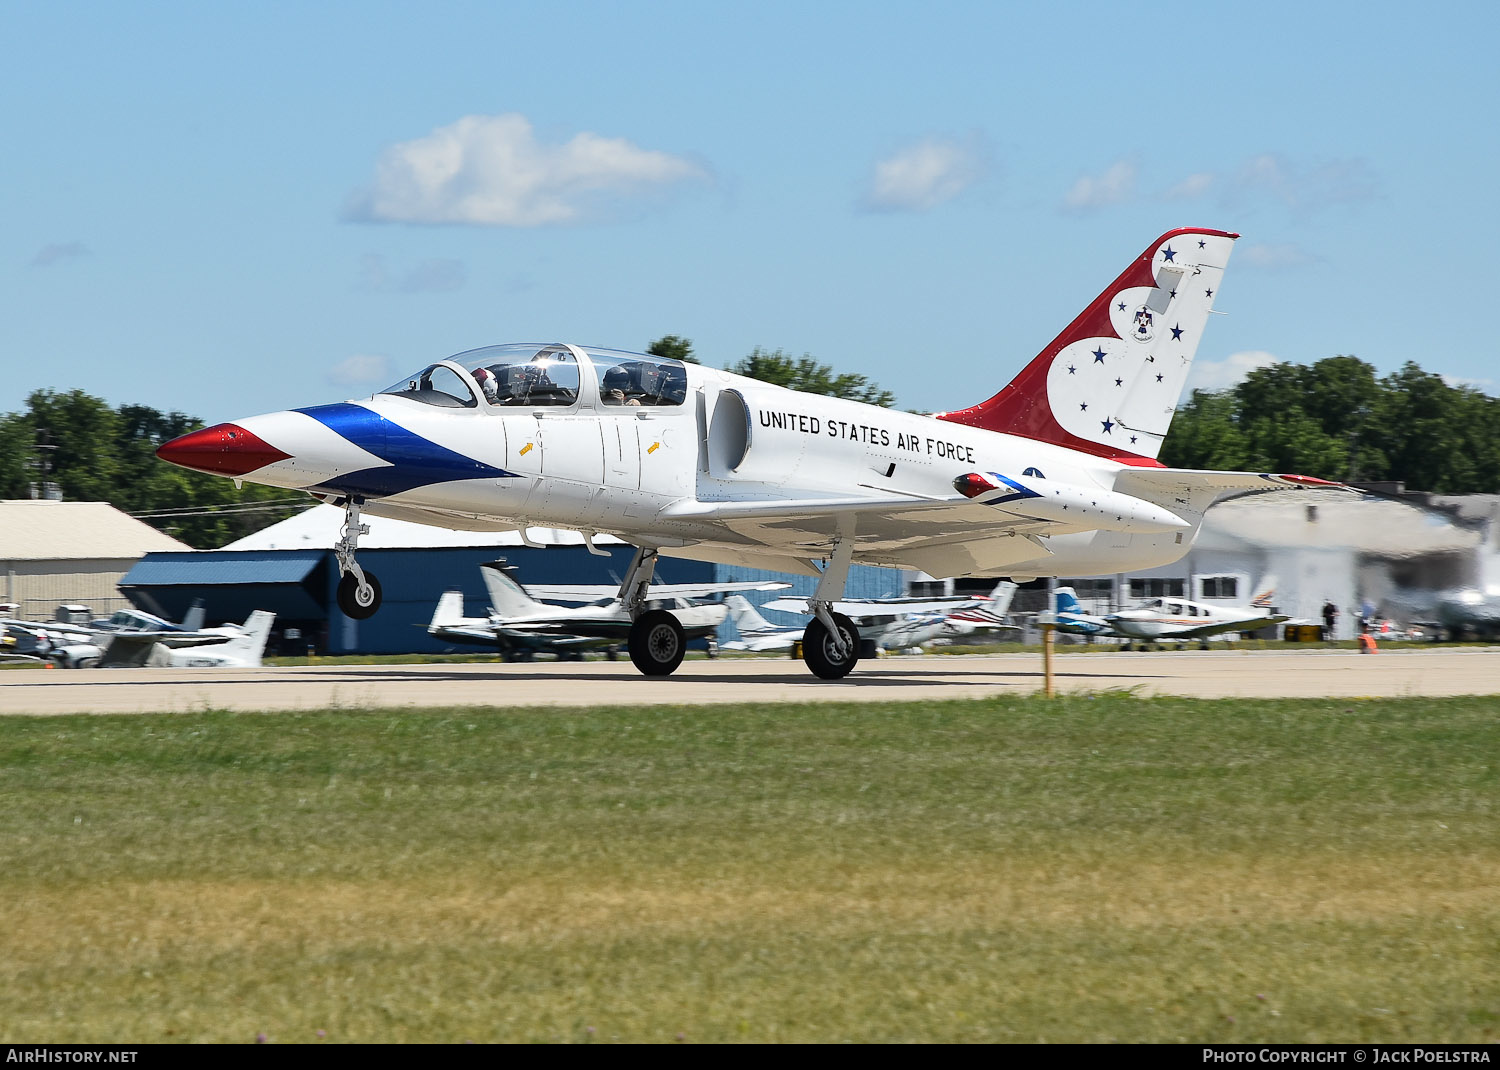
(1220, 586)
(1157, 588)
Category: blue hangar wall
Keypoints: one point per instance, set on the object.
(300, 587)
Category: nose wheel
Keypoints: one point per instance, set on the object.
(359, 591)
(359, 600)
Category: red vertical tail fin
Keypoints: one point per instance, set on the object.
(1110, 382)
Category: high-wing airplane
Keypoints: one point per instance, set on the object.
(1054, 475)
(1167, 619)
(520, 624)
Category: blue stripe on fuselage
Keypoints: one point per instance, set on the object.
(414, 461)
(1020, 492)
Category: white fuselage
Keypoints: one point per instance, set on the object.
(1168, 618)
(668, 476)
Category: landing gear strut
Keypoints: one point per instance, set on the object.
(830, 645)
(656, 642)
(359, 591)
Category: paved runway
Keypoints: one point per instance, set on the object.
(1207, 674)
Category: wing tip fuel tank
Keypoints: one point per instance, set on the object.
(1066, 503)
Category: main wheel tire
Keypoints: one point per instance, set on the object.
(818, 651)
(359, 602)
(657, 643)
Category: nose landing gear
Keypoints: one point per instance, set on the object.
(359, 591)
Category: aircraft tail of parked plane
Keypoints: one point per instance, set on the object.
(1069, 615)
(747, 618)
(507, 597)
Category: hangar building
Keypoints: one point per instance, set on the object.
(56, 552)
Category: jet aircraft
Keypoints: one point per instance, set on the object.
(521, 625)
(1056, 474)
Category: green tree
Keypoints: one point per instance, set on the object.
(83, 430)
(673, 347)
(1335, 419)
(104, 454)
(804, 373)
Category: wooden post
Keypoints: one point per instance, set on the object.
(1047, 631)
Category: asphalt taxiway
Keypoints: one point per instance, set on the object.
(1203, 674)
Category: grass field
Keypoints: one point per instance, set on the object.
(1085, 869)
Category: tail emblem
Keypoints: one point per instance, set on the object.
(1093, 391)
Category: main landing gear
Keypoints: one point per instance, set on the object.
(657, 642)
(359, 591)
(830, 645)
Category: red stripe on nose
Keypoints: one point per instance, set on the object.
(224, 449)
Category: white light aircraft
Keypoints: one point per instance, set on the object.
(756, 633)
(1178, 620)
(907, 623)
(519, 622)
(1055, 474)
(1168, 619)
(229, 646)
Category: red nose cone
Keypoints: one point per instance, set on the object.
(224, 450)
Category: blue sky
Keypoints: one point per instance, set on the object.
(231, 208)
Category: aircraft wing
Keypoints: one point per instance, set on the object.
(586, 592)
(1249, 624)
(895, 608)
(133, 650)
(175, 640)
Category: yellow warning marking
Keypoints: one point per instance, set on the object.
(652, 448)
(525, 449)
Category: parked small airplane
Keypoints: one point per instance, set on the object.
(1168, 619)
(907, 623)
(520, 625)
(229, 646)
(986, 616)
(1068, 615)
(756, 633)
(1054, 475)
(74, 637)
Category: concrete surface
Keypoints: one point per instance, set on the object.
(1207, 674)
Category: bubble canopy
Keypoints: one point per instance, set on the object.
(534, 374)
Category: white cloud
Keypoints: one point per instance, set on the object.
(1195, 185)
(1276, 257)
(491, 170)
(59, 252)
(360, 370)
(1307, 188)
(1115, 185)
(1222, 374)
(924, 175)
